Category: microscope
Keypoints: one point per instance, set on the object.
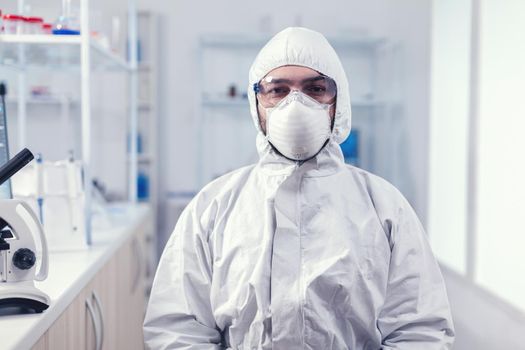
(20, 229)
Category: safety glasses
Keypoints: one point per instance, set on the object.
(272, 89)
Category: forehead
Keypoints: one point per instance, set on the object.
(291, 73)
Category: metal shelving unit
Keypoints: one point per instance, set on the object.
(147, 101)
(56, 52)
(148, 126)
(79, 53)
(372, 113)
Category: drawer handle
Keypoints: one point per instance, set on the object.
(101, 318)
(96, 324)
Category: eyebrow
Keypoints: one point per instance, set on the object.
(284, 80)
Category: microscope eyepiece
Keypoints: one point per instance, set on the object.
(14, 164)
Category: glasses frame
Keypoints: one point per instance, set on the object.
(257, 88)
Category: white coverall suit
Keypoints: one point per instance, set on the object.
(288, 255)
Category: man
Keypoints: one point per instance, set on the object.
(298, 251)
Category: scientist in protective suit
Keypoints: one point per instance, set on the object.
(299, 251)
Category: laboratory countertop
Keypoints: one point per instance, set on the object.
(69, 273)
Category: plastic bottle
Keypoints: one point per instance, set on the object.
(142, 186)
(13, 24)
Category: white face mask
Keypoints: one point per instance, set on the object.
(298, 126)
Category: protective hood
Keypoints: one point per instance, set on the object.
(307, 48)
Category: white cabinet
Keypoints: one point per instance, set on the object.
(108, 312)
(68, 331)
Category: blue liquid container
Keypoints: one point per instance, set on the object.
(350, 148)
(142, 186)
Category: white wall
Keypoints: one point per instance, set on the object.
(182, 23)
(449, 131)
(409, 22)
(501, 165)
(477, 167)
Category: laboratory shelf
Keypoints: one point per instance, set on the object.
(231, 41)
(46, 101)
(143, 158)
(110, 56)
(40, 39)
(144, 67)
(367, 104)
(228, 103)
(145, 106)
(55, 52)
(243, 103)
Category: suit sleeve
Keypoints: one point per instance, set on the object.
(179, 314)
(416, 312)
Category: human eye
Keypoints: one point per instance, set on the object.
(315, 89)
(278, 91)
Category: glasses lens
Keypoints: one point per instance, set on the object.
(272, 90)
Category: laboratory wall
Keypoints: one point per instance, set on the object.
(477, 171)
(449, 132)
(404, 23)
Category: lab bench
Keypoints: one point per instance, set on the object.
(97, 293)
